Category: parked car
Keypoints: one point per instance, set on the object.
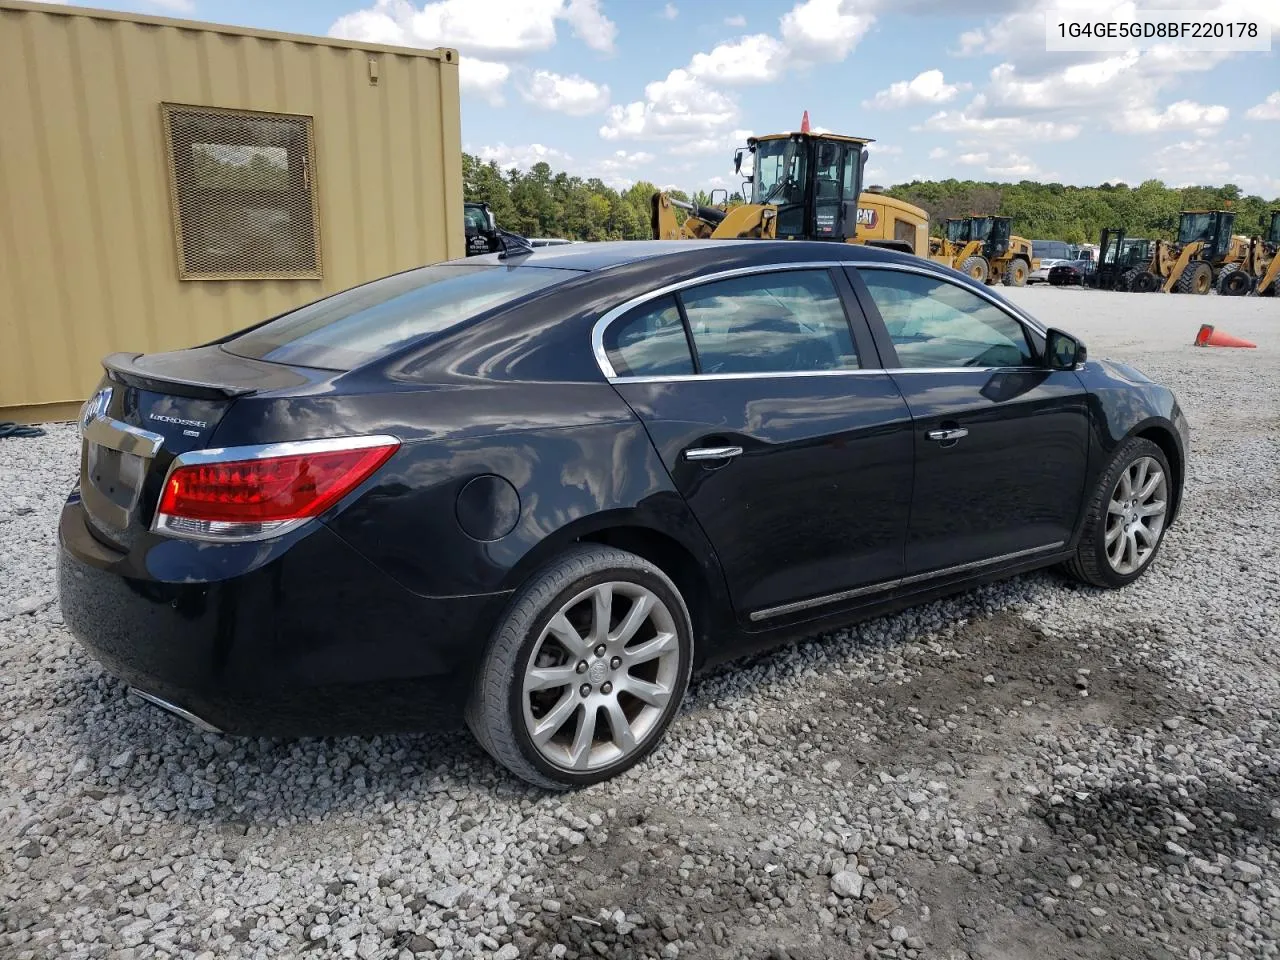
(1071, 273)
(1049, 253)
(537, 490)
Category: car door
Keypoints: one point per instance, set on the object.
(1000, 441)
(792, 449)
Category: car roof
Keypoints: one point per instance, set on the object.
(596, 256)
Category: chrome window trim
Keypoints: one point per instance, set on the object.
(606, 368)
(778, 611)
(176, 526)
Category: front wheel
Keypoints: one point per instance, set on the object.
(586, 670)
(1125, 522)
(1015, 274)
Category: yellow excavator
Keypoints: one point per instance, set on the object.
(801, 186)
(986, 249)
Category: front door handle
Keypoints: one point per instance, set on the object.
(948, 435)
(712, 453)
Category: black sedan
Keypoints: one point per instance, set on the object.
(538, 489)
(1072, 273)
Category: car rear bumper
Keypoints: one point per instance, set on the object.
(314, 641)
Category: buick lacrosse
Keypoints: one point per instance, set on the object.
(536, 490)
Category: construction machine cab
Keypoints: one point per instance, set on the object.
(1273, 231)
(813, 180)
(994, 232)
(1210, 227)
(957, 230)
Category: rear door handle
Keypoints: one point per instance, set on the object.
(712, 453)
(944, 436)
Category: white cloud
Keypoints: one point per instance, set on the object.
(573, 95)
(679, 106)
(937, 153)
(758, 58)
(485, 34)
(973, 159)
(1268, 109)
(174, 6)
(1183, 115)
(520, 158)
(926, 87)
(1014, 165)
(589, 25)
(670, 12)
(737, 20)
(1013, 128)
(483, 78)
(825, 30)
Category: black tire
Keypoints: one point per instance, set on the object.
(1127, 280)
(1016, 273)
(1234, 282)
(975, 268)
(1196, 278)
(1090, 564)
(495, 711)
(1145, 282)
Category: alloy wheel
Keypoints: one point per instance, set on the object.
(1135, 515)
(601, 676)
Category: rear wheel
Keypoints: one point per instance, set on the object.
(1196, 278)
(1125, 522)
(1234, 282)
(585, 672)
(975, 268)
(1127, 280)
(1016, 273)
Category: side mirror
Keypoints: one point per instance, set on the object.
(1063, 351)
(737, 161)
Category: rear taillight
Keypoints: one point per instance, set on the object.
(252, 493)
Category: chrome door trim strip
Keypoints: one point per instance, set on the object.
(883, 585)
(117, 435)
(602, 358)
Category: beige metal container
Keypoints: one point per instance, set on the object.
(165, 182)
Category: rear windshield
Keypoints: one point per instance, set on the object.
(353, 327)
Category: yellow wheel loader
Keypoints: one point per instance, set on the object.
(1259, 271)
(986, 249)
(802, 186)
(1205, 248)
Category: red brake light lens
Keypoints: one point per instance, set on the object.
(248, 498)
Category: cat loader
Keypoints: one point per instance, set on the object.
(802, 186)
(1259, 272)
(1204, 247)
(986, 249)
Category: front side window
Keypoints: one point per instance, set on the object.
(649, 341)
(785, 322)
(934, 323)
(352, 327)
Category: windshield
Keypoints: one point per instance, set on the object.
(979, 228)
(352, 327)
(1050, 250)
(1195, 226)
(779, 172)
(475, 218)
(956, 230)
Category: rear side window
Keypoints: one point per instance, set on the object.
(934, 323)
(649, 341)
(785, 322)
(355, 326)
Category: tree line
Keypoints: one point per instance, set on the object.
(540, 202)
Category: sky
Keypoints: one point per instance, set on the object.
(664, 90)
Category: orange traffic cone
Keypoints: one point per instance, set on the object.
(1208, 337)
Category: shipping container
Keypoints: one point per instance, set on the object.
(165, 182)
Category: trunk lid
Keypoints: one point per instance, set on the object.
(148, 410)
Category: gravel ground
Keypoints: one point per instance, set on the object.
(1028, 769)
